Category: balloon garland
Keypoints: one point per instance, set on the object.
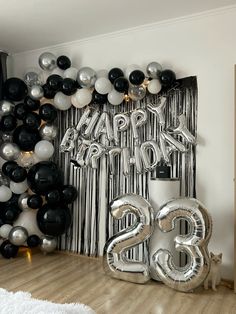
(31, 184)
(33, 199)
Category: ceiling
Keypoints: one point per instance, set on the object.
(31, 24)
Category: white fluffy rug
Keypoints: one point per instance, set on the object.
(21, 303)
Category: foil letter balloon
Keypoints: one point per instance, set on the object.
(120, 124)
(116, 264)
(68, 141)
(183, 130)
(158, 110)
(138, 118)
(193, 244)
(95, 151)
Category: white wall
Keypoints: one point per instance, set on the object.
(202, 45)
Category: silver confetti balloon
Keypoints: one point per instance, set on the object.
(86, 77)
(137, 92)
(115, 261)
(9, 151)
(48, 244)
(6, 107)
(22, 202)
(47, 61)
(48, 131)
(193, 244)
(36, 92)
(154, 70)
(32, 78)
(18, 235)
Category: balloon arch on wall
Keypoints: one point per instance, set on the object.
(130, 125)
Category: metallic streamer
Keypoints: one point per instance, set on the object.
(92, 224)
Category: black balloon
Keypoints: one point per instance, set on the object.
(1, 222)
(8, 167)
(48, 92)
(8, 250)
(121, 85)
(53, 197)
(63, 62)
(54, 82)
(48, 112)
(167, 78)
(32, 120)
(26, 138)
(53, 220)
(8, 123)
(68, 193)
(68, 86)
(9, 213)
(31, 104)
(18, 174)
(13, 203)
(44, 176)
(33, 241)
(15, 89)
(35, 201)
(20, 111)
(136, 77)
(114, 74)
(99, 98)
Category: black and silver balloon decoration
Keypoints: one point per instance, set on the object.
(28, 129)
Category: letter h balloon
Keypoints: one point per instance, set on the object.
(194, 244)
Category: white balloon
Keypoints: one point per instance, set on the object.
(115, 98)
(103, 85)
(44, 150)
(5, 193)
(102, 73)
(5, 230)
(57, 71)
(70, 73)
(61, 101)
(154, 86)
(27, 220)
(130, 68)
(18, 188)
(82, 98)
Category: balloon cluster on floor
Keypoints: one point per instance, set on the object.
(33, 199)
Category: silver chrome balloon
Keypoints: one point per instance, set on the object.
(47, 61)
(115, 262)
(48, 131)
(113, 153)
(68, 141)
(154, 70)
(86, 77)
(137, 92)
(32, 78)
(6, 107)
(18, 235)
(9, 151)
(150, 163)
(36, 92)
(103, 126)
(95, 151)
(158, 110)
(138, 118)
(183, 130)
(120, 123)
(89, 119)
(48, 244)
(193, 244)
(22, 202)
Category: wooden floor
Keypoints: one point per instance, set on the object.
(66, 278)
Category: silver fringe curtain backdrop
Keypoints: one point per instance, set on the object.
(92, 224)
